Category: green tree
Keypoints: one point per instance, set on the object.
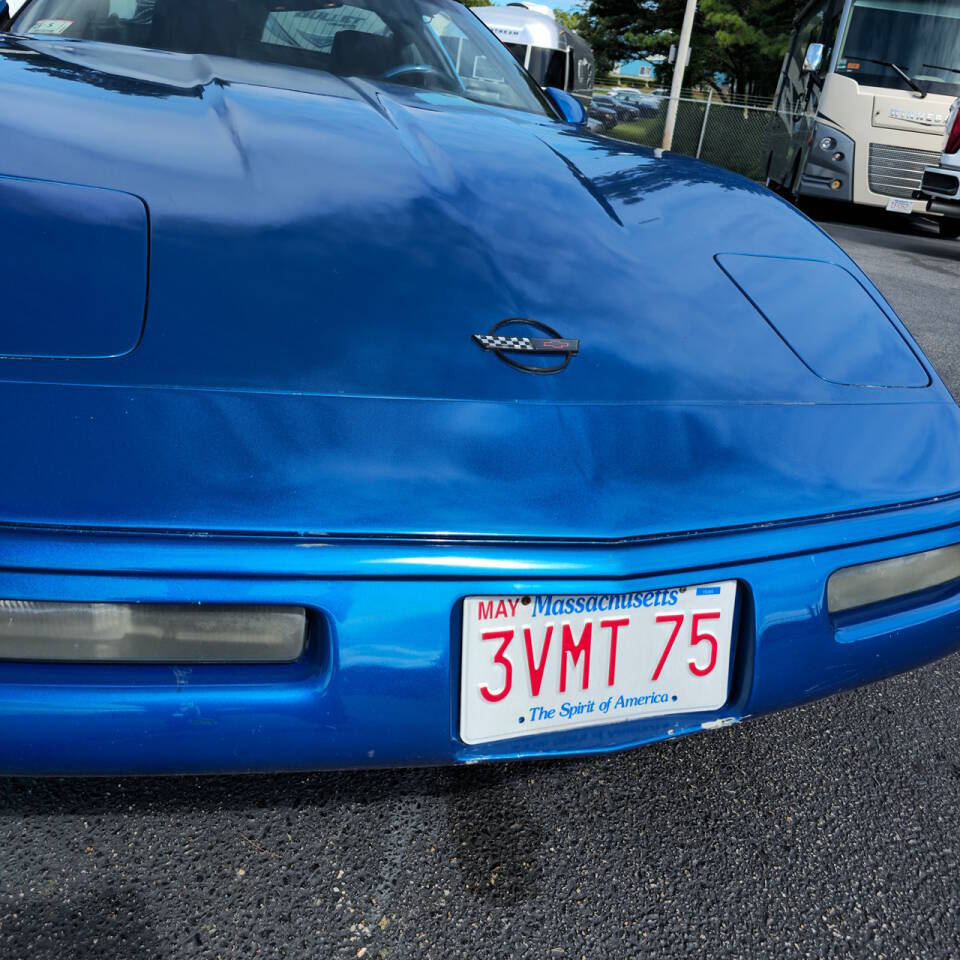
(750, 38)
(742, 39)
(604, 36)
(568, 18)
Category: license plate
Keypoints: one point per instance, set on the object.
(899, 205)
(538, 663)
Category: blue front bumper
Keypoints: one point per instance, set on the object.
(378, 685)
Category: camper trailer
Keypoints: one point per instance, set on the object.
(553, 55)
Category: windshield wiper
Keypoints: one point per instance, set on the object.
(907, 79)
(934, 66)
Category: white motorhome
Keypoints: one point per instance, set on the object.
(553, 55)
(863, 99)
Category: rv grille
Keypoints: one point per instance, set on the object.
(897, 171)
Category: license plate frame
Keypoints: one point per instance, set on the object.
(546, 668)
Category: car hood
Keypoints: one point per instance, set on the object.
(321, 253)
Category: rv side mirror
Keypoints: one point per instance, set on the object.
(568, 106)
(813, 58)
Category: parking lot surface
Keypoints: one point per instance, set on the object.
(826, 831)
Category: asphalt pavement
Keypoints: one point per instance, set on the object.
(828, 831)
(916, 271)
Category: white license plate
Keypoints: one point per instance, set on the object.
(899, 205)
(538, 663)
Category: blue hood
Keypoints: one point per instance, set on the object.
(320, 253)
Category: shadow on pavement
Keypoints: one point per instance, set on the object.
(910, 234)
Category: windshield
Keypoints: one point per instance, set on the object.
(922, 37)
(548, 67)
(431, 44)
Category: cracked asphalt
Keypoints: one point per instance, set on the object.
(828, 831)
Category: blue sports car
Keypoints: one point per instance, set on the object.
(359, 408)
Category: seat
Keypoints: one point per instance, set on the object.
(356, 53)
(196, 26)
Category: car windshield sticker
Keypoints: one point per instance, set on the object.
(51, 26)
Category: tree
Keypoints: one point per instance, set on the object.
(600, 32)
(750, 39)
(595, 32)
(744, 40)
(568, 18)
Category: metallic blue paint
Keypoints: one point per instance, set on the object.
(90, 272)
(568, 106)
(305, 419)
(838, 331)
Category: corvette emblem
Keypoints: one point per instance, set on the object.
(553, 344)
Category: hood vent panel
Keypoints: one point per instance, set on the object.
(76, 274)
(828, 319)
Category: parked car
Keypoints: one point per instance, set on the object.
(625, 112)
(357, 411)
(940, 185)
(605, 116)
(647, 105)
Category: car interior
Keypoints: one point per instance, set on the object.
(340, 38)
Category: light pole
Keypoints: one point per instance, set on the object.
(676, 86)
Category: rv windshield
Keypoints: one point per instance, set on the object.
(431, 44)
(547, 66)
(922, 37)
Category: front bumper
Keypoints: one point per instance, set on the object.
(940, 187)
(378, 685)
(828, 170)
(941, 182)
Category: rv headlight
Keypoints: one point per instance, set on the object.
(886, 579)
(827, 143)
(150, 633)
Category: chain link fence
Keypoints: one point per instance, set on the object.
(731, 134)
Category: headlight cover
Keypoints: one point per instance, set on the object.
(150, 633)
(886, 579)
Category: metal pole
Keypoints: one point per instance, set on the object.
(682, 48)
(703, 126)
